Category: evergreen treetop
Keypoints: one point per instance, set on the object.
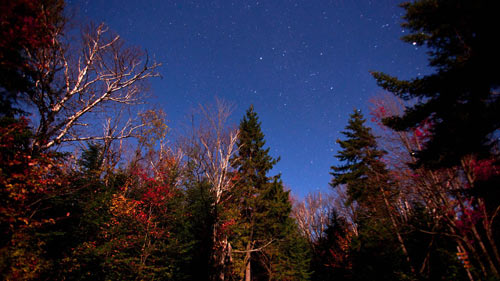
(265, 234)
(362, 170)
(253, 160)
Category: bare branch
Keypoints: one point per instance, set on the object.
(104, 73)
(256, 249)
(313, 213)
(212, 147)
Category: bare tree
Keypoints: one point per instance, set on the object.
(211, 149)
(444, 192)
(313, 213)
(75, 85)
(347, 211)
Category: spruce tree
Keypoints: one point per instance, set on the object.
(460, 101)
(264, 229)
(370, 190)
(363, 171)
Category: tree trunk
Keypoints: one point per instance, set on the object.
(248, 262)
(395, 226)
(248, 276)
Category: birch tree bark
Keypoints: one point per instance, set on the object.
(211, 149)
(76, 81)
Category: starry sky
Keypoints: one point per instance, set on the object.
(303, 64)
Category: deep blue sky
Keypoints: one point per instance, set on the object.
(304, 65)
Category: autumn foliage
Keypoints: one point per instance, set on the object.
(27, 181)
(415, 193)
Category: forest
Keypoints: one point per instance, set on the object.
(92, 187)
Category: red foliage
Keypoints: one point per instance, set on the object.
(468, 217)
(484, 169)
(156, 190)
(25, 180)
(378, 112)
(226, 225)
(140, 213)
(422, 132)
(25, 24)
(26, 183)
(338, 256)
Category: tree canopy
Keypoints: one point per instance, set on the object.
(459, 101)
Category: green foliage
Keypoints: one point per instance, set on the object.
(375, 252)
(196, 231)
(293, 257)
(91, 160)
(363, 171)
(439, 250)
(264, 233)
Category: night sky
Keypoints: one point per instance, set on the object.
(304, 65)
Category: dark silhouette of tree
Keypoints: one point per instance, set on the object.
(331, 259)
(461, 100)
(25, 26)
(457, 106)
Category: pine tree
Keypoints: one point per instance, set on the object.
(370, 189)
(460, 101)
(263, 229)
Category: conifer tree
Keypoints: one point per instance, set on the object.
(362, 171)
(263, 229)
(460, 101)
(369, 187)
